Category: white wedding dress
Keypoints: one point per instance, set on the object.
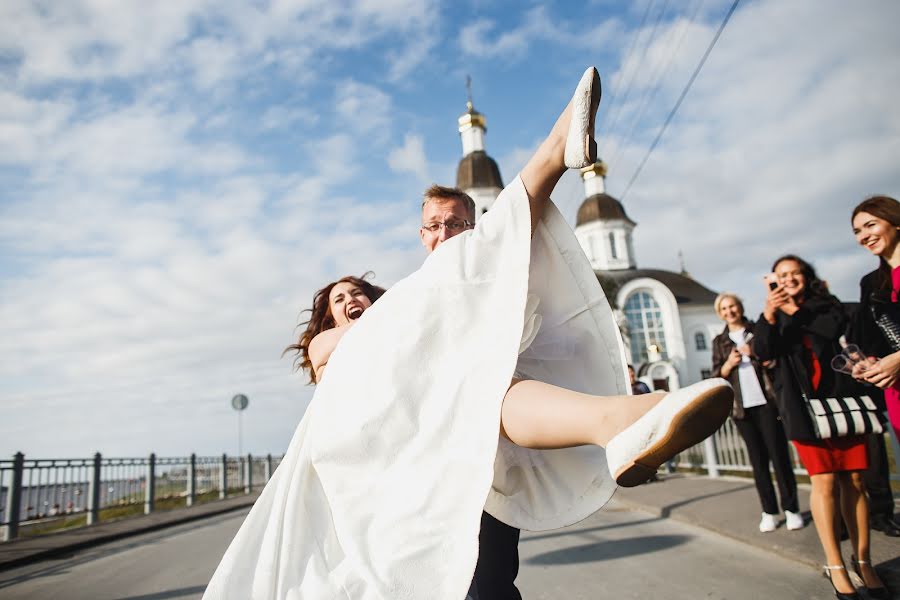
(380, 493)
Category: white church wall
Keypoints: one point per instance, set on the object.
(671, 319)
(484, 198)
(594, 238)
(703, 320)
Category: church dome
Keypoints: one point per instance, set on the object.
(601, 207)
(478, 170)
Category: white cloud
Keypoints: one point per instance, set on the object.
(179, 179)
(778, 139)
(479, 38)
(363, 108)
(410, 157)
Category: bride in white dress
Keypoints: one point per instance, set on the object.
(493, 378)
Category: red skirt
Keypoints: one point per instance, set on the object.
(836, 454)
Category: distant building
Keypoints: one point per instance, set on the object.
(667, 319)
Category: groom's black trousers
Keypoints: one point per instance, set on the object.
(498, 561)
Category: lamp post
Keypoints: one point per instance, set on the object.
(239, 403)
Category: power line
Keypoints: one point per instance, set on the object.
(684, 92)
(654, 89)
(649, 40)
(634, 39)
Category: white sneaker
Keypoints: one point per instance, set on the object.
(581, 149)
(681, 419)
(793, 521)
(768, 523)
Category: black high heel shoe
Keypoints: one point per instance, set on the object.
(826, 570)
(879, 593)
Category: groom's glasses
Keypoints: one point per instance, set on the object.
(453, 226)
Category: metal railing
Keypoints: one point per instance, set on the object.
(43, 493)
(726, 451)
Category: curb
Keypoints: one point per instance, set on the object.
(40, 554)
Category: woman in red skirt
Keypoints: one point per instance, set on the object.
(799, 328)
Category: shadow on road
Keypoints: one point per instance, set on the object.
(62, 564)
(609, 549)
(179, 593)
(532, 537)
(666, 511)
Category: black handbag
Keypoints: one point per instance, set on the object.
(838, 417)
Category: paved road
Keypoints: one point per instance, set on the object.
(617, 553)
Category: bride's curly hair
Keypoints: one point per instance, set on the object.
(321, 319)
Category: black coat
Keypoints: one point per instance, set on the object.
(721, 347)
(824, 321)
(874, 301)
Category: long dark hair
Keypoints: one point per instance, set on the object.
(815, 287)
(321, 319)
(887, 208)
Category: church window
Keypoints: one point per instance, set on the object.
(700, 340)
(645, 326)
(612, 245)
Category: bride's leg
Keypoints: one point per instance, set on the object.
(540, 415)
(639, 432)
(544, 169)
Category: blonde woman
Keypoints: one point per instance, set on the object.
(754, 414)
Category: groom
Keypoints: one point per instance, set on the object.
(447, 212)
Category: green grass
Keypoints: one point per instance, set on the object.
(114, 513)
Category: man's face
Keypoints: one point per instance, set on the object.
(441, 220)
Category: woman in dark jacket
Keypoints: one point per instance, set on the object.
(876, 330)
(799, 328)
(754, 415)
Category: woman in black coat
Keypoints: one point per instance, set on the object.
(799, 328)
(876, 225)
(754, 413)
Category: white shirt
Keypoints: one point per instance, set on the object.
(751, 391)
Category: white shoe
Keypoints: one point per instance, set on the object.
(681, 419)
(793, 521)
(581, 149)
(768, 523)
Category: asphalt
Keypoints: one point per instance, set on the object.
(727, 506)
(29, 550)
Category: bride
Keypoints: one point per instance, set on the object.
(493, 378)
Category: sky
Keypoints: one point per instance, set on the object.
(178, 178)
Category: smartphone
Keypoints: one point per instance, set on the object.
(772, 280)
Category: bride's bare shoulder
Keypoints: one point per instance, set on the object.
(321, 347)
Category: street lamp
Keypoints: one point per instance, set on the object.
(239, 403)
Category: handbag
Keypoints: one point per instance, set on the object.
(839, 417)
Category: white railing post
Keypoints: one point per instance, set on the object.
(223, 478)
(192, 481)
(150, 495)
(709, 451)
(248, 475)
(93, 508)
(14, 498)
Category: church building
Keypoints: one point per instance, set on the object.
(667, 318)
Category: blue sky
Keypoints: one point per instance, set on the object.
(179, 178)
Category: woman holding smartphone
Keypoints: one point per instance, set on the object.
(754, 414)
(800, 328)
